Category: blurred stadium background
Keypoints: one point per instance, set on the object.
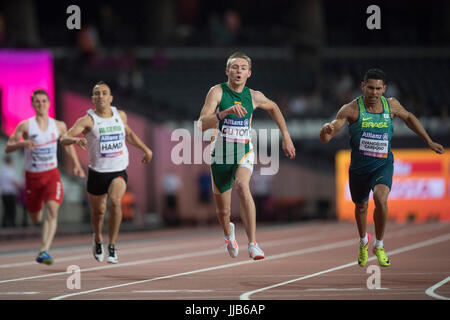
(161, 57)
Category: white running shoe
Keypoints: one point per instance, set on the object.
(231, 244)
(97, 251)
(112, 254)
(255, 252)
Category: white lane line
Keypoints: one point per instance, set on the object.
(200, 253)
(171, 291)
(335, 289)
(132, 263)
(223, 266)
(89, 256)
(160, 248)
(246, 295)
(163, 259)
(18, 293)
(430, 290)
(278, 256)
(342, 289)
(155, 241)
(154, 279)
(177, 246)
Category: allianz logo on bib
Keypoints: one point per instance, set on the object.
(111, 143)
(236, 122)
(110, 137)
(374, 135)
(49, 150)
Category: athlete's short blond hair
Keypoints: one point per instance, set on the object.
(239, 55)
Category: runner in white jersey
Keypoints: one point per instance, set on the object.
(106, 143)
(105, 131)
(43, 184)
(43, 157)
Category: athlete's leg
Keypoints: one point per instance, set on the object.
(36, 217)
(380, 197)
(50, 224)
(361, 218)
(98, 205)
(247, 205)
(34, 203)
(116, 191)
(360, 190)
(223, 210)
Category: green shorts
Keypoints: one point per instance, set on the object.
(223, 174)
(361, 184)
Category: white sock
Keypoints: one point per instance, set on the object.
(378, 243)
(363, 241)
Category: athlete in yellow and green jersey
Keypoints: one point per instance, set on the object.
(228, 110)
(369, 120)
(232, 147)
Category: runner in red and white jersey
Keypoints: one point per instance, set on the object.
(39, 138)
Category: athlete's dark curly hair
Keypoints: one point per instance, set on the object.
(376, 74)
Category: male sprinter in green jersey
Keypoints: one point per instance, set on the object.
(228, 109)
(369, 119)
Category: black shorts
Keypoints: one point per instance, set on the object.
(98, 182)
(361, 185)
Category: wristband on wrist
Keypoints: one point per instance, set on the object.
(217, 115)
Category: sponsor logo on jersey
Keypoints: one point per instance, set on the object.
(370, 124)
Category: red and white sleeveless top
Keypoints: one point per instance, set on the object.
(43, 157)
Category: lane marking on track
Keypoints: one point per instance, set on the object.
(89, 256)
(246, 295)
(166, 258)
(177, 246)
(18, 293)
(342, 289)
(207, 233)
(171, 291)
(162, 248)
(399, 232)
(430, 290)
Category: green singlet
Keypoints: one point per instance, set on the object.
(232, 147)
(372, 162)
(370, 139)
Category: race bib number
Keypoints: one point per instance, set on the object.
(111, 145)
(236, 130)
(43, 157)
(374, 144)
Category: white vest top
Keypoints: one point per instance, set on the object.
(106, 143)
(43, 157)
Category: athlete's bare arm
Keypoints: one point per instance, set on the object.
(347, 113)
(77, 169)
(82, 126)
(208, 117)
(261, 101)
(134, 140)
(397, 110)
(20, 132)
